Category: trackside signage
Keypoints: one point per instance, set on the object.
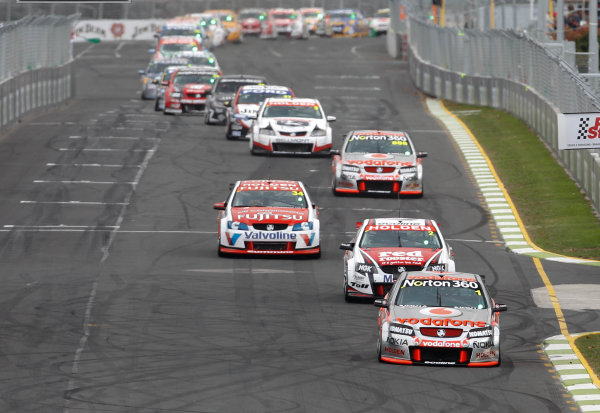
(115, 30)
(578, 130)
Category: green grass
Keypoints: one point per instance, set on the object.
(555, 213)
(589, 346)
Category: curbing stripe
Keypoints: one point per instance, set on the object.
(571, 374)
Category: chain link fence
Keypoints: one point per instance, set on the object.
(162, 9)
(511, 71)
(33, 43)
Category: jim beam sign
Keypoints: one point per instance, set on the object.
(579, 131)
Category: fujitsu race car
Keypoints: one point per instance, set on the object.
(439, 319)
(384, 248)
(273, 217)
(246, 104)
(291, 126)
(378, 162)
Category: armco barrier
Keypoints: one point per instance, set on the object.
(33, 92)
(531, 105)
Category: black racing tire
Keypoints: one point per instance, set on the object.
(317, 255)
(207, 120)
(348, 298)
(228, 133)
(221, 253)
(379, 348)
(334, 185)
(156, 107)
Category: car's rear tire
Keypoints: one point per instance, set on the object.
(379, 348)
(156, 107)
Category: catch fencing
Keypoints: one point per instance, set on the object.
(35, 65)
(509, 71)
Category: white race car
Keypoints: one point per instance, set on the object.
(384, 248)
(274, 217)
(291, 126)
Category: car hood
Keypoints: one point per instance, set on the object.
(422, 316)
(283, 21)
(293, 124)
(398, 256)
(379, 159)
(197, 87)
(265, 215)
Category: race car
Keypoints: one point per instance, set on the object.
(274, 217)
(251, 20)
(284, 22)
(162, 84)
(223, 92)
(154, 72)
(188, 89)
(384, 248)
(180, 28)
(312, 17)
(291, 126)
(246, 103)
(199, 58)
(439, 319)
(377, 162)
(169, 46)
(229, 20)
(348, 23)
(214, 33)
(380, 23)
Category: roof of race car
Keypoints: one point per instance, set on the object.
(291, 102)
(269, 185)
(242, 78)
(394, 224)
(184, 70)
(185, 24)
(264, 88)
(178, 39)
(376, 132)
(195, 53)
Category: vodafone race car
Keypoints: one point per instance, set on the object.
(291, 126)
(377, 162)
(384, 248)
(272, 217)
(188, 89)
(439, 319)
(246, 104)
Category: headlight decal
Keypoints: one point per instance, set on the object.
(350, 168)
(303, 226)
(237, 226)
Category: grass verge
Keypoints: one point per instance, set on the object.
(556, 214)
(589, 346)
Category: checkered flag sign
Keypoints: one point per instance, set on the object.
(584, 124)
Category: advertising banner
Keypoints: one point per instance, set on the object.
(112, 30)
(579, 131)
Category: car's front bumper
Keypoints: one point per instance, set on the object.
(292, 145)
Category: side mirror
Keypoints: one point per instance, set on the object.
(156, 35)
(331, 118)
(348, 246)
(220, 206)
(359, 224)
(142, 72)
(252, 116)
(335, 152)
(155, 81)
(421, 154)
(499, 308)
(381, 303)
(151, 50)
(240, 116)
(164, 83)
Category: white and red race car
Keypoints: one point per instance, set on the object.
(274, 217)
(384, 248)
(377, 162)
(291, 126)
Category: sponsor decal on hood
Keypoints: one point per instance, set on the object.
(249, 215)
(197, 86)
(400, 256)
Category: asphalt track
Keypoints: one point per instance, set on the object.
(113, 298)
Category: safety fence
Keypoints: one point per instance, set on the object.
(510, 71)
(35, 65)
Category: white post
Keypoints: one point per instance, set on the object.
(593, 36)
(560, 21)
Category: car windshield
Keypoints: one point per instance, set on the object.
(284, 15)
(177, 47)
(441, 293)
(179, 31)
(310, 14)
(252, 15)
(197, 78)
(400, 239)
(201, 61)
(231, 86)
(257, 98)
(289, 111)
(383, 14)
(281, 199)
(227, 18)
(342, 15)
(378, 144)
(159, 67)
